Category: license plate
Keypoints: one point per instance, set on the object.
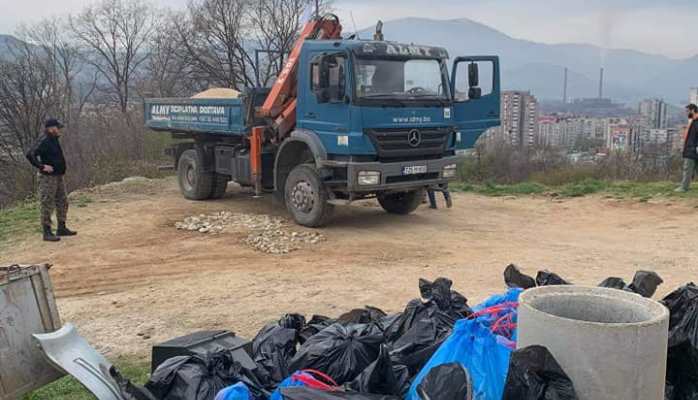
(414, 169)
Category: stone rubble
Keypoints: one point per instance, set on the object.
(265, 233)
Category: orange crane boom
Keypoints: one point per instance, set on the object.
(280, 104)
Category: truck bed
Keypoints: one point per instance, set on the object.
(219, 116)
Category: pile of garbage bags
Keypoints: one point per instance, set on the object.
(644, 283)
(682, 358)
(437, 348)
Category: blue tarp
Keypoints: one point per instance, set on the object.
(473, 345)
(291, 381)
(236, 392)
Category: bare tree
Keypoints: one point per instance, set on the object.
(53, 40)
(29, 92)
(219, 38)
(114, 34)
(212, 38)
(166, 72)
(276, 24)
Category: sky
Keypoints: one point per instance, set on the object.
(655, 26)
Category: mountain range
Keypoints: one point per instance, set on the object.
(526, 65)
(629, 75)
(6, 41)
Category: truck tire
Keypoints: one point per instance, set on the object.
(194, 183)
(306, 197)
(220, 185)
(401, 203)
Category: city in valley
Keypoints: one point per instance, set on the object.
(589, 129)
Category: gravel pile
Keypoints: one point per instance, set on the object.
(267, 234)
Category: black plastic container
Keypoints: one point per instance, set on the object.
(201, 343)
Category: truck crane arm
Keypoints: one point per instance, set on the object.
(280, 104)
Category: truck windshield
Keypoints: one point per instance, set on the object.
(400, 79)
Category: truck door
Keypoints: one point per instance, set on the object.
(326, 109)
(475, 88)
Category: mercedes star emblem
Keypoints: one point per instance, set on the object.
(414, 138)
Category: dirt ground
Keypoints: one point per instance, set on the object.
(130, 279)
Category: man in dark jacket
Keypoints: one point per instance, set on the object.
(47, 156)
(690, 149)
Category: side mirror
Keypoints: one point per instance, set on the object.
(473, 75)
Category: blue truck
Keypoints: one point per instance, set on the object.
(357, 119)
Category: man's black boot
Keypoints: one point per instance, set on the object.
(63, 231)
(48, 235)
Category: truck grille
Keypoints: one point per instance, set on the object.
(399, 144)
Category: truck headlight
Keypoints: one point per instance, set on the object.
(368, 178)
(449, 171)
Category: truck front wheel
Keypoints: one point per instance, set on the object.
(194, 183)
(401, 203)
(306, 197)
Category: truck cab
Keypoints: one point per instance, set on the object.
(389, 118)
(370, 119)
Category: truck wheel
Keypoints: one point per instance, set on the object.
(306, 197)
(401, 203)
(194, 183)
(220, 185)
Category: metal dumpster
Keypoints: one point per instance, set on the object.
(27, 306)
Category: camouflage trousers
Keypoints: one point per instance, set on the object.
(52, 195)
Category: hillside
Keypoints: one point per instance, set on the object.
(6, 42)
(630, 75)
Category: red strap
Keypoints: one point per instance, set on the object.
(322, 375)
(505, 324)
(496, 309)
(310, 378)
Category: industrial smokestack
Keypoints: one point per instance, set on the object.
(564, 90)
(601, 84)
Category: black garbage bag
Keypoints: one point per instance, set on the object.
(275, 345)
(129, 390)
(459, 305)
(669, 392)
(547, 278)
(416, 311)
(534, 374)
(292, 321)
(306, 393)
(682, 361)
(362, 316)
(382, 377)
(613, 283)
(441, 305)
(340, 351)
(645, 283)
(388, 320)
(201, 377)
(687, 390)
(446, 382)
(417, 345)
(446, 299)
(315, 325)
(514, 278)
